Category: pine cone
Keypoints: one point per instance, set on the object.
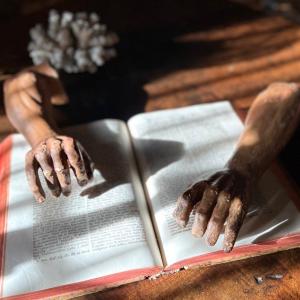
(72, 42)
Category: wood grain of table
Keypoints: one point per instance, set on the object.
(233, 60)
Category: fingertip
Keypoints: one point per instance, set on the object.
(56, 192)
(83, 182)
(66, 191)
(181, 223)
(40, 199)
(179, 218)
(212, 239)
(228, 246)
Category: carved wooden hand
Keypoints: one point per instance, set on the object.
(28, 97)
(223, 198)
(56, 155)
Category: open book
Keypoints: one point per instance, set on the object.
(120, 227)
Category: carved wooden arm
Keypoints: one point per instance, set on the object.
(223, 198)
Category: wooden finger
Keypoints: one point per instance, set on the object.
(75, 159)
(234, 221)
(203, 211)
(41, 155)
(88, 163)
(218, 217)
(45, 162)
(186, 202)
(61, 167)
(31, 169)
(54, 187)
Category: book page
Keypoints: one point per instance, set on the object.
(178, 147)
(98, 230)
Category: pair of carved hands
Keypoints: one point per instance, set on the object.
(217, 200)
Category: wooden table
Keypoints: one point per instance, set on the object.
(232, 59)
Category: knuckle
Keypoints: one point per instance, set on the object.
(28, 75)
(202, 210)
(69, 140)
(198, 185)
(211, 191)
(42, 147)
(55, 146)
(74, 160)
(41, 152)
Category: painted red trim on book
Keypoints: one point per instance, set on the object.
(89, 285)
(5, 155)
(239, 252)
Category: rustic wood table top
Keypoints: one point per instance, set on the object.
(233, 60)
